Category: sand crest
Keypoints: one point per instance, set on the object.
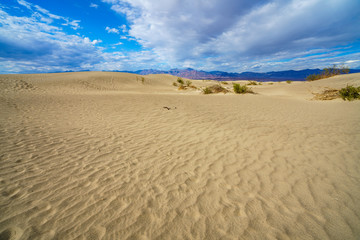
(108, 156)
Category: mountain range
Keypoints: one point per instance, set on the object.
(219, 75)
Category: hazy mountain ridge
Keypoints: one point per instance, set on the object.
(294, 75)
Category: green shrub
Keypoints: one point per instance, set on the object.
(329, 72)
(224, 82)
(313, 77)
(174, 84)
(241, 89)
(180, 80)
(350, 93)
(188, 83)
(206, 90)
(288, 81)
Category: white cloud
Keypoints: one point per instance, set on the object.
(93, 5)
(112, 30)
(32, 45)
(123, 28)
(45, 16)
(226, 32)
(74, 24)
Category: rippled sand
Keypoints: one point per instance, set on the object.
(97, 156)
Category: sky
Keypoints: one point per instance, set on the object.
(224, 35)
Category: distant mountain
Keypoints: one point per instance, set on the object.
(218, 75)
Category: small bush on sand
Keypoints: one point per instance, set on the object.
(350, 93)
(288, 81)
(252, 83)
(241, 89)
(313, 77)
(329, 72)
(217, 88)
(225, 83)
(206, 90)
(271, 83)
(175, 84)
(188, 83)
(180, 80)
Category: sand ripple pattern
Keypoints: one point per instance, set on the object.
(120, 166)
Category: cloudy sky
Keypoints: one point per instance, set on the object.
(226, 35)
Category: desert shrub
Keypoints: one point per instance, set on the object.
(224, 82)
(252, 83)
(350, 93)
(217, 88)
(206, 90)
(288, 81)
(182, 87)
(313, 77)
(241, 89)
(188, 83)
(175, 84)
(329, 72)
(180, 80)
(271, 83)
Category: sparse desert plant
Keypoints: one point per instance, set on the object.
(327, 94)
(180, 80)
(350, 93)
(252, 83)
(271, 83)
(239, 89)
(182, 87)
(313, 77)
(217, 88)
(288, 81)
(206, 90)
(188, 83)
(174, 84)
(225, 83)
(329, 72)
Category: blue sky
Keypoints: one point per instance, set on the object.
(227, 35)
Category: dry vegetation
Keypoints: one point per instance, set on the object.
(217, 88)
(328, 94)
(329, 72)
(348, 93)
(241, 89)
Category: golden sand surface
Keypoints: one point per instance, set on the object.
(100, 155)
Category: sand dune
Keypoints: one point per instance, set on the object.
(97, 156)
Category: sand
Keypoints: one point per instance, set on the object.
(96, 155)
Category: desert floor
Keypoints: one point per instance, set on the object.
(95, 155)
